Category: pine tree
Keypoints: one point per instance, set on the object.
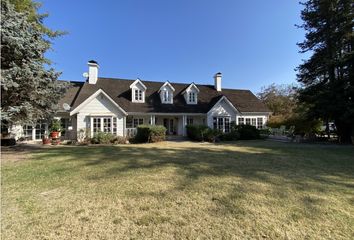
(327, 77)
(29, 91)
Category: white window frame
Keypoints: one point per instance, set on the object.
(192, 97)
(190, 121)
(112, 120)
(167, 96)
(138, 95)
(223, 125)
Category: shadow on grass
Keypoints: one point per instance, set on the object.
(304, 168)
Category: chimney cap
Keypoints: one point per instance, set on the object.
(218, 73)
(93, 61)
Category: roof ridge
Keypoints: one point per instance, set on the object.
(153, 81)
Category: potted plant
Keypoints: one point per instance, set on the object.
(55, 128)
(45, 140)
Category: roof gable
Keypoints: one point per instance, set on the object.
(93, 96)
(167, 85)
(190, 87)
(137, 82)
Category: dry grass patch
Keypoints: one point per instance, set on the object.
(243, 190)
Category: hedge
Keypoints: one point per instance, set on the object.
(150, 133)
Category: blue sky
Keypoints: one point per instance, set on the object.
(253, 42)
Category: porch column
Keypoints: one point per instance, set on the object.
(34, 132)
(91, 126)
(152, 120)
(184, 124)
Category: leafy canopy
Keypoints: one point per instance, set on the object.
(29, 91)
(327, 77)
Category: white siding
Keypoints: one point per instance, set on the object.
(99, 106)
(254, 115)
(222, 108)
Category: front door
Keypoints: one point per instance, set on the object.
(168, 124)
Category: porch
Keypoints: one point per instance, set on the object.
(175, 124)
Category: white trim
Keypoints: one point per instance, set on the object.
(227, 101)
(93, 96)
(167, 114)
(262, 113)
(189, 88)
(134, 89)
(138, 81)
(165, 84)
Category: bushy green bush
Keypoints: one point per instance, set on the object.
(202, 133)
(197, 132)
(102, 138)
(231, 136)
(247, 132)
(157, 133)
(150, 133)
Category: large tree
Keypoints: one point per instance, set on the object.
(280, 99)
(327, 77)
(29, 88)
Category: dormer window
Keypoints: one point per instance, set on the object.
(138, 95)
(192, 97)
(138, 91)
(166, 93)
(191, 94)
(167, 97)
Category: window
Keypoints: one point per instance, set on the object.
(259, 123)
(222, 124)
(227, 125)
(248, 121)
(137, 122)
(138, 95)
(27, 131)
(241, 121)
(253, 121)
(114, 125)
(189, 121)
(129, 122)
(96, 125)
(192, 97)
(166, 96)
(107, 125)
(40, 129)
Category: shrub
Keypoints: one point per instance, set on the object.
(157, 133)
(248, 132)
(231, 136)
(265, 131)
(202, 133)
(119, 140)
(197, 132)
(102, 138)
(150, 133)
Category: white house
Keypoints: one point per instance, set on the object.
(118, 106)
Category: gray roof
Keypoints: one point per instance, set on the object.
(119, 90)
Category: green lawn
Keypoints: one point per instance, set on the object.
(243, 190)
